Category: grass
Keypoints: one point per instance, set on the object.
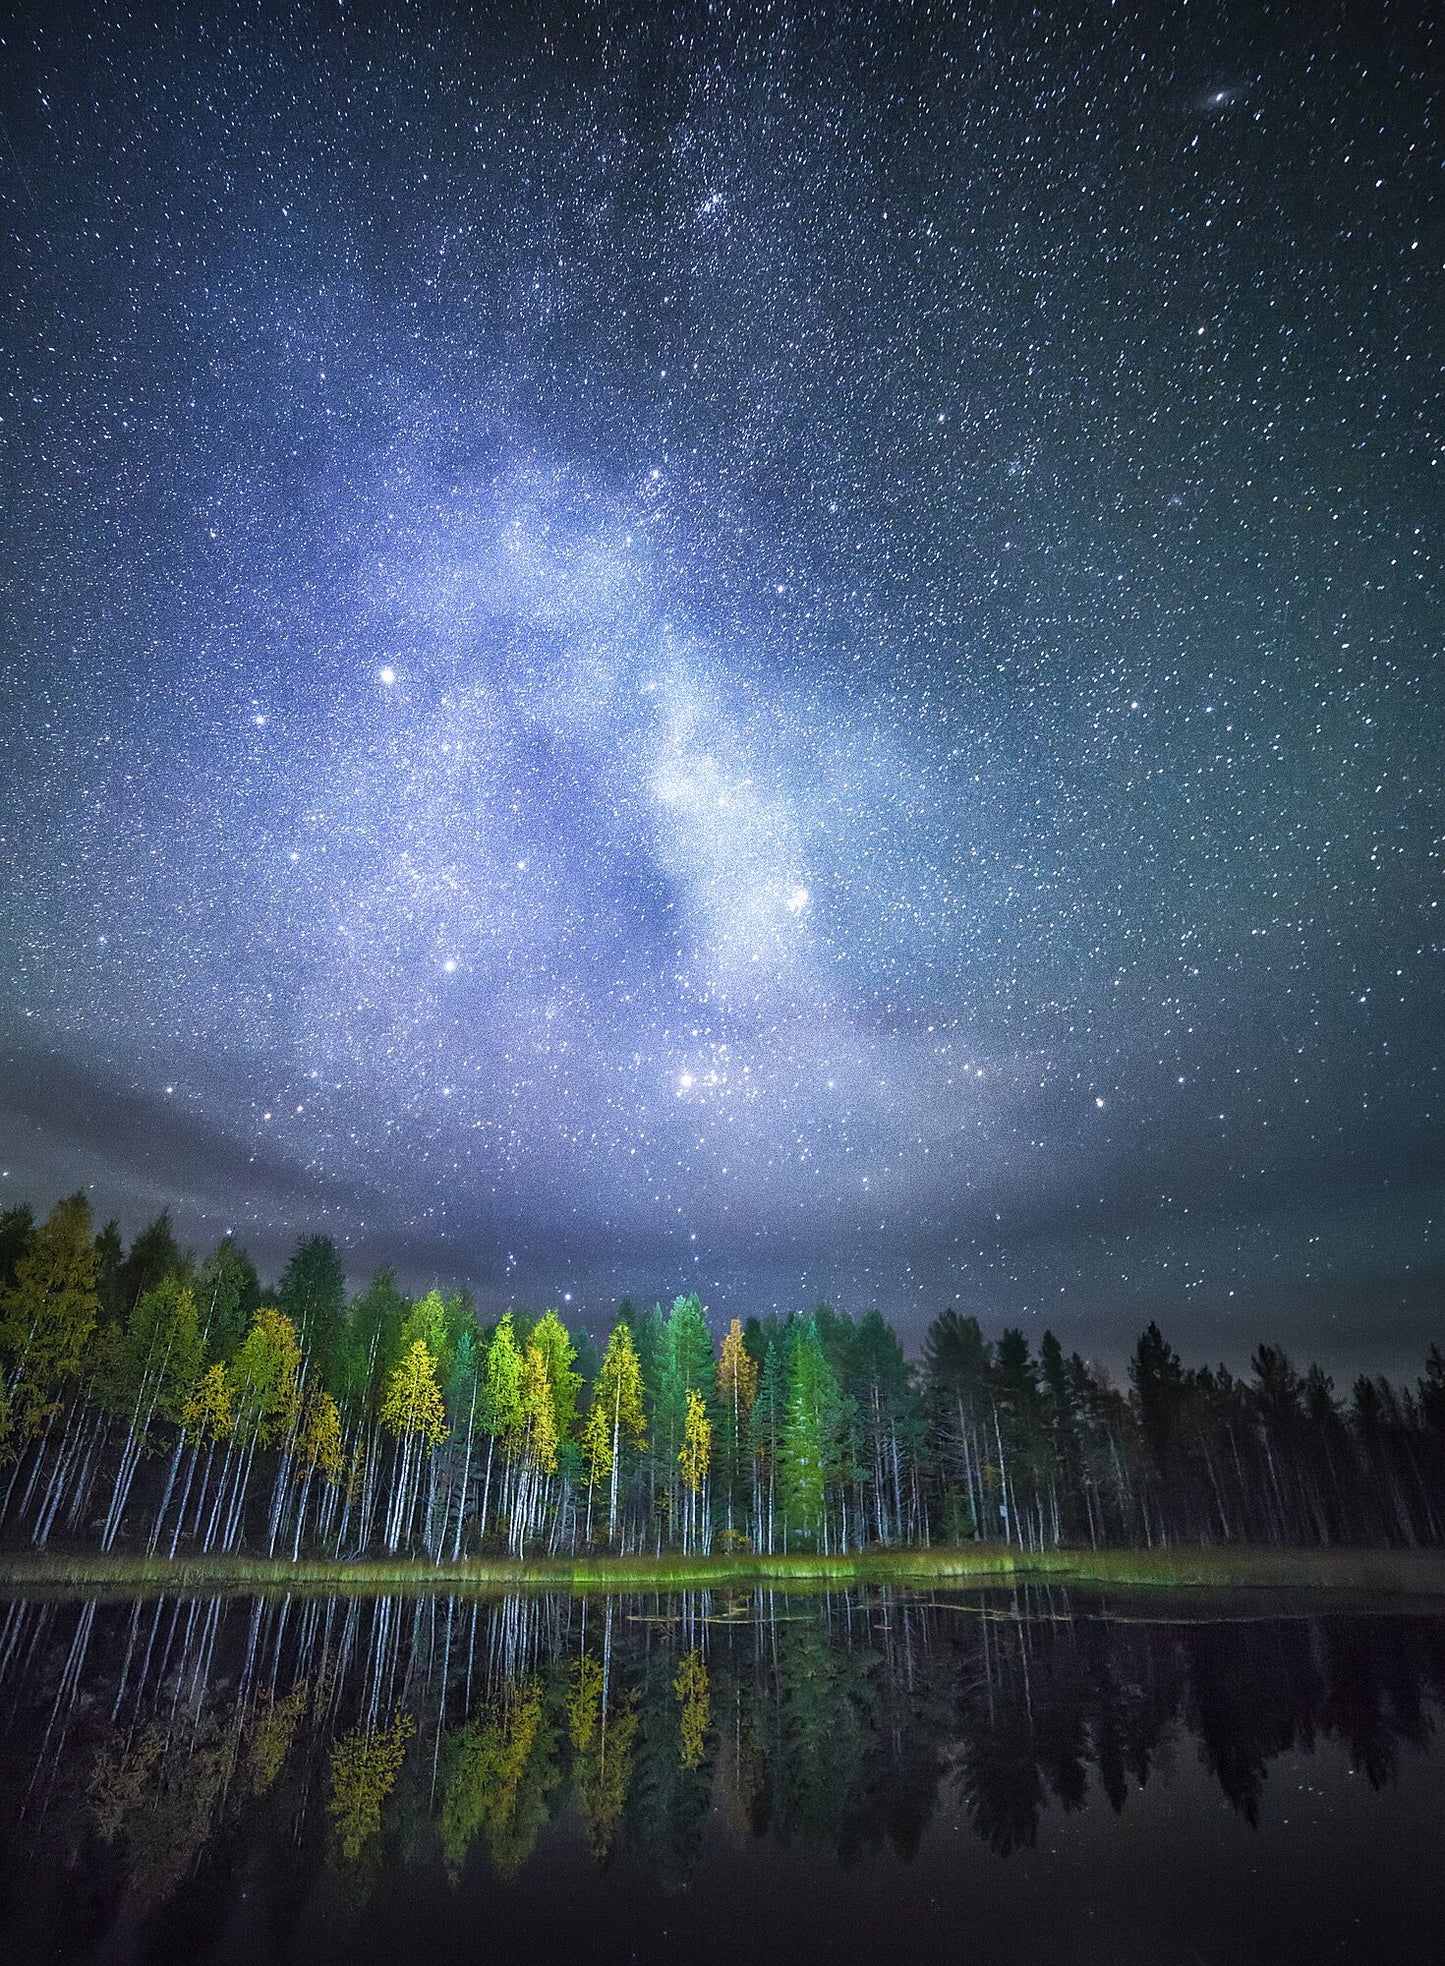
(1377, 1573)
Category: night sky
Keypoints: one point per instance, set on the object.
(780, 651)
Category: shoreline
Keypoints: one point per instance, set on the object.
(1373, 1572)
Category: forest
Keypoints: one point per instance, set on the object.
(153, 1401)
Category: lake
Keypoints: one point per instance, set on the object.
(870, 1775)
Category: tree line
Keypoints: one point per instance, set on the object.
(150, 1400)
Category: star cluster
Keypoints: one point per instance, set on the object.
(777, 651)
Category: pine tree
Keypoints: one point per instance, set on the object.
(152, 1257)
(370, 1346)
(808, 1444)
(312, 1293)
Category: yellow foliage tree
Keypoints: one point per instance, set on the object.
(501, 1771)
(737, 1375)
(539, 1412)
(364, 1768)
(696, 1450)
(273, 1731)
(555, 1344)
(584, 1703)
(265, 1380)
(412, 1401)
(321, 1449)
(615, 1415)
(47, 1316)
(693, 1698)
(207, 1415)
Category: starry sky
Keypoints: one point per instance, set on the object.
(774, 649)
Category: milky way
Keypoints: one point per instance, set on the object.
(778, 652)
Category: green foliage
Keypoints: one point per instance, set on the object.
(554, 1344)
(228, 1296)
(159, 1357)
(502, 1406)
(152, 1257)
(371, 1344)
(47, 1316)
(264, 1379)
(617, 1414)
(501, 1770)
(312, 1293)
(678, 1361)
(426, 1322)
(810, 1437)
(17, 1232)
(364, 1768)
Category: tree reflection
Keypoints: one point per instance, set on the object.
(176, 1747)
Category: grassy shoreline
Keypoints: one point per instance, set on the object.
(1383, 1573)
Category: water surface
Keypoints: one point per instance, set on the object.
(871, 1775)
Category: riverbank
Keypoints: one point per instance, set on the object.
(1385, 1573)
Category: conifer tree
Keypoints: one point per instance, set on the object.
(370, 1346)
(151, 1258)
(808, 1442)
(312, 1293)
(17, 1232)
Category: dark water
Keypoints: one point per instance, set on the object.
(872, 1776)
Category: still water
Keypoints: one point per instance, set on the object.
(869, 1776)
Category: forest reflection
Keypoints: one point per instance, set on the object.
(365, 1734)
